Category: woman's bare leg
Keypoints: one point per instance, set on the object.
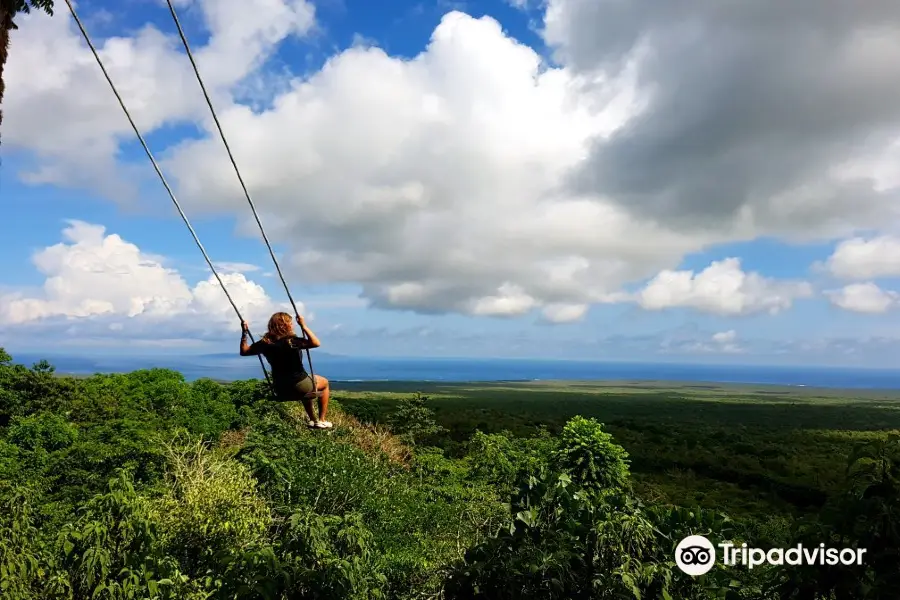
(324, 390)
(308, 406)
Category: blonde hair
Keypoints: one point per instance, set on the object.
(280, 326)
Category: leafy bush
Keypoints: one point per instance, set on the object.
(112, 550)
(418, 518)
(556, 545)
(210, 507)
(27, 568)
(333, 557)
(502, 460)
(563, 539)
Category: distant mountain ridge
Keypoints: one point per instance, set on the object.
(198, 365)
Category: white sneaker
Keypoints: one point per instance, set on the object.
(313, 424)
(324, 425)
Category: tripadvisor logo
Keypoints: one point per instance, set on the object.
(695, 555)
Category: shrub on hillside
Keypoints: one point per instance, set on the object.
(112, 550)
(419, 519)
(332, 557)
(27, 567)
(501, 460)
(210, 507)
(866, 515)
(559, 542)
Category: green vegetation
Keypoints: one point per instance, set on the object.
(749, 450)
(146, 486)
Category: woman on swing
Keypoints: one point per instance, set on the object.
(282, 349)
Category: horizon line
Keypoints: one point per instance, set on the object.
(635, 361)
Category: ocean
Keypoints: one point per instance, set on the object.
(356, 369)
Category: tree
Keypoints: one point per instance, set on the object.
(591, 458)
(8, 11)
(413, 422)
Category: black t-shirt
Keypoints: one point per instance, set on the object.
(285, 358)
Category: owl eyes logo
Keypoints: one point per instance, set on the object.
(695, 555)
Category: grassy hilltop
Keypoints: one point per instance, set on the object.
(145, 486)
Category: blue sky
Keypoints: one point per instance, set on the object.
(450, 179)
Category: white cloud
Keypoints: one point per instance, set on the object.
(59, 106)
(864, 298)
(725, 337)
(722, 288)
(726, 341)
(445, 182)
(565, 313)
(431, 182)
(235, 267)
(92, 274)
(509, 301)
(447, 200)
(859, 258)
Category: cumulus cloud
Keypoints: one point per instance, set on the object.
(93, 275)
(860, 258)
(474, 178)
(722, 288)
(763, 117)
(68, 116)
(865, 298)
(432, 181)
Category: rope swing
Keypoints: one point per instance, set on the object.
(237, 171)
(165, 183)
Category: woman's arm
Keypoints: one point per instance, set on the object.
(246, 348)
(313, 341)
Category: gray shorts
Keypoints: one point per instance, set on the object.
(298, 391)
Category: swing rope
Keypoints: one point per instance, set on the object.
(237, 171)
(161, 176)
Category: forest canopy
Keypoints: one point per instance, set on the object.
(144, 485)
